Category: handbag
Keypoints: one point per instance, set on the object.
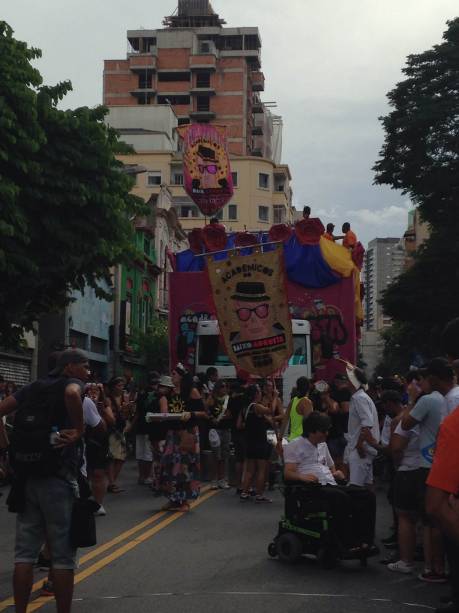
(83, 523)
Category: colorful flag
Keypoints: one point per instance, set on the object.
(251, 303)
(206, 166)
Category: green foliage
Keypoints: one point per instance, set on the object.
(420, 156)
(65, 202)
(153, 345)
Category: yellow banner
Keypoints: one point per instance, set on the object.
(251, 301)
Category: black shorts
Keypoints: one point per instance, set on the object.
(97, 455)
(409, 491)
(258, 451)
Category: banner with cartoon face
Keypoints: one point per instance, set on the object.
(250, 297)
(206, 166)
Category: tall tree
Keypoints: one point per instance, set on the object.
(66, 210)
(420, 156)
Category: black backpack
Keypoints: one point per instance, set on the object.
(42, 408)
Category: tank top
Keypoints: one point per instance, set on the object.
(296, 421)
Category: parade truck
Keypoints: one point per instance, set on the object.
(323, 291)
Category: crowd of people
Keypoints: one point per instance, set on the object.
(337, 435)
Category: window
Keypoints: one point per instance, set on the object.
(203, 79)
(263, 180)
(234, 175)
(78, 339)
(263, 213)
(174, 100)
(173, 76)
(98, 345)
(182, 121)
(232, 212)
(203, 104)
(188, 210)
(205, 46)
(279, 213)
(144, 99)
(145, 81)
(177, 178)
(154, 178)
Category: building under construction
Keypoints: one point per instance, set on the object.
(205, 71)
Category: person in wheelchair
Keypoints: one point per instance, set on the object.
(352, 509)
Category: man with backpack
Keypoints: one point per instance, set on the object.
(45, 455)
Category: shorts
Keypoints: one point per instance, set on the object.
(409, 489)
(47, 516)
(143, 451)
(96, 455)
(223, 451)
(258, 451)
(117, 446)
(360, 470)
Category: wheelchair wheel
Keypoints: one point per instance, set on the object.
(289, 548)
(328, 557)
(272, 549)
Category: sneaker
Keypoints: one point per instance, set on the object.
(244, 497)
(429, 576)
(401, 567)
(47, 589)
(100, 512)
(148, 481)
(261, 499)
(42, 562)
(223, 484)
(214, 485)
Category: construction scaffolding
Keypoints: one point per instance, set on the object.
(193, 14)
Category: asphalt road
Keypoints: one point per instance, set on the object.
(212, 559)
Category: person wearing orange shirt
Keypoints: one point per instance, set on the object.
(442, 500)
(328, 234)
(349, 238)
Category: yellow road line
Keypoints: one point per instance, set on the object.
(4, 604)
(40, 602)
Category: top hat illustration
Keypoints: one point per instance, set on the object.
(206, 153)
(250, 291)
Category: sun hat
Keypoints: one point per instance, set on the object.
(165, 381)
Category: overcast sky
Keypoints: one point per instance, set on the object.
(327, 63)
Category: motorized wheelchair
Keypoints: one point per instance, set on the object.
(307, 529)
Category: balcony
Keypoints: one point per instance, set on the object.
(203, 62)
(257, 105)
(257, 131)
(253, 56)
(205, 91)
(142, 63)
(203, 115)
(258, 81)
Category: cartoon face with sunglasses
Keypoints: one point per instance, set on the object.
(251, 306)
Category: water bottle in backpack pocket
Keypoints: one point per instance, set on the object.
(36, 429)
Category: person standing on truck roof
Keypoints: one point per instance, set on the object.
(328, 234)
(301, 407)
(349, 237)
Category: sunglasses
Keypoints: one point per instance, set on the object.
(210, 168)
(261, 311)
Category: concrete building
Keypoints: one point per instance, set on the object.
(416, 234)
(384, 261)
(206, 72)
(262, 190)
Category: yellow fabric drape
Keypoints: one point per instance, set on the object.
(340, 260)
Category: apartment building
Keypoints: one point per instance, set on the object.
(205, 71)
(384, 261)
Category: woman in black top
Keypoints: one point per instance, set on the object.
(257, 419)
(180, 465)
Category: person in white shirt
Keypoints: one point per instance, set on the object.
(363, 430)
(308, 460)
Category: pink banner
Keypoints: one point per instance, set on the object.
(206, 166)
(330, 311)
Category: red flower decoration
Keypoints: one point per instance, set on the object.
(309, 231)
(357, 255)
(280, 232)
(245, 239)
(195, 239)
(214, 236)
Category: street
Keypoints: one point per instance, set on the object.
(213, 559)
